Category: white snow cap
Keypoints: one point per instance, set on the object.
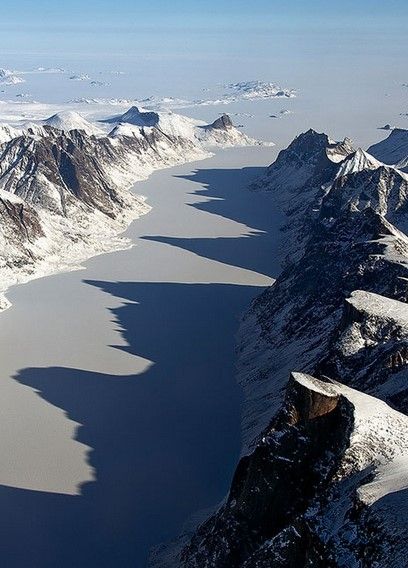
(71, 120)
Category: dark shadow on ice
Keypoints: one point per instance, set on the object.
(245, 252)
(229, 197)
(229, 191)
(164, 443)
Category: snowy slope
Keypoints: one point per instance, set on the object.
(220, 133)
(394, 149)
(8, 132)
(70, 120)
(72, 179)
(324, 470)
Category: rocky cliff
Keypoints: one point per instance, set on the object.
(323, 476)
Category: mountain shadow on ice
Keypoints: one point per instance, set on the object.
(165, 442)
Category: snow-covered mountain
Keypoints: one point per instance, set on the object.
(296, 181)
(8, 132)
(323, 360)
(221, 132)
(324, 487)
(350, 237)
(71, 120)
(65, 182)
(65, 121)
(8, 77)
(393, 150)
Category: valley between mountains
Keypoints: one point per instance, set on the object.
(125, 397)
(109, 417)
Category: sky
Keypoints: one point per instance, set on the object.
(131, 26)
(201, 12)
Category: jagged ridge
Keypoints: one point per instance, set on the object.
(72, 181)
(324, 467)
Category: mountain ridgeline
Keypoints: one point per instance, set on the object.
(64, 182)
(322, 358)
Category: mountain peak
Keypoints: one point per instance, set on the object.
(309, 161)
(70, 120)
(312, 132)
(223, 122)
(358, 161)
(139, 117)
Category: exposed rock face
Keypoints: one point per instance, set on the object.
(55, 171)
(61, 168)
(377, 187)
(370, 350)
(223, 122)
(315, 490)
(137, 117)
(274, 485)
(20, 226)
(349, 245)
(293, 323)
(323, 477)
(72, 185)
(222, 132)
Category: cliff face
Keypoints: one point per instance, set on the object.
(350, 244)
(321, 488)
(294, 323)
(370, 348)
(324, 472)
(274, 485)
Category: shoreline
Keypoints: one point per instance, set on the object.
(121, 242)
(121, 354)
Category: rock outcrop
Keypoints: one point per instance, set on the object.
(223, 122)
(323, 476)
(315, 491)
